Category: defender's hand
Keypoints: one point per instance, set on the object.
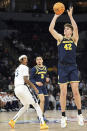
(70, 11)
(39, 83)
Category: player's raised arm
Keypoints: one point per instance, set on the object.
(75, 27)
(54, 33)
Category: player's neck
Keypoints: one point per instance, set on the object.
(67, 37)
(24, 64)
(40, 65)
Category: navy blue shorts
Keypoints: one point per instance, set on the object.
(67, 73)
(42, 90)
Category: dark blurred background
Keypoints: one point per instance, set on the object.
(24, 29)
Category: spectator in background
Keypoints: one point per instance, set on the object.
(52, 101)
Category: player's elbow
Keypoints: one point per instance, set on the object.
(50, 29)
(25, 79)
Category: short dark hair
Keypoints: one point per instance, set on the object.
(68, 25)
(39, 56)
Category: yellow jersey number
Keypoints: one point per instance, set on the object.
(68, 46)
(42, 76)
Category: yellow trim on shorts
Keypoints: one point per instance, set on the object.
(69, 82)
(74, 81)
(42, 94)
(45, 95)
(63, 83)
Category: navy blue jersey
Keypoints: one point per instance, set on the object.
(38, 74)
(67, 51)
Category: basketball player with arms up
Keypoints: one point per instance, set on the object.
(22, 84)
(67, 68)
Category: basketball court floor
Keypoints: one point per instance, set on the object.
(29, 122)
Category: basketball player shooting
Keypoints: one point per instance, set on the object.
(67, 68)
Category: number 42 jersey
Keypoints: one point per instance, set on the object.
(67, 51)
(20, 72)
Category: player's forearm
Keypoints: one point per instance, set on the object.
(52, 24)
(73, 22)
(29, 82)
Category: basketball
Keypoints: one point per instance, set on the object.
(59, 8)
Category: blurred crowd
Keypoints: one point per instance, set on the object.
(54, 94)
(8, 102)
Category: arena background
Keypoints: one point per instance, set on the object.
(24, 29)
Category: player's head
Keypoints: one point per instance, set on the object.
(68, 30)
(39, 60)
(23, 59)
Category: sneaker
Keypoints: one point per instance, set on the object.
(12, 123)
(80, 120)
(43, 126)
(63, 122)
(45, 119)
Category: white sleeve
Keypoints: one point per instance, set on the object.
(26, 71)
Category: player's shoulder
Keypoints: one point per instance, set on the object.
(60, 40)
(23, 66)
(44, 67)
(33, 68)
(74, 41)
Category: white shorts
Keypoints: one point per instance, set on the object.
(24, 95)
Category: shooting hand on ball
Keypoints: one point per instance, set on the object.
(57, 15)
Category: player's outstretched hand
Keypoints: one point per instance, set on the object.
(70, 11)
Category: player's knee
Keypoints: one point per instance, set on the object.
(63, 93)
(76, 93)
(42, 100)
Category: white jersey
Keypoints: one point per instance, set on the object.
(21, 71)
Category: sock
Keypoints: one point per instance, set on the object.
(39, 112)
(63, 114)
(79, 112)
(20, 112)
